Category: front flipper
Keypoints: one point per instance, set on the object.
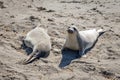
(81, 52)
(84, 56)
(80, 43)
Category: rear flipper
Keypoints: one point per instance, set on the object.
(31, 58)
(35, 56)
(101, 31)
(30, 61)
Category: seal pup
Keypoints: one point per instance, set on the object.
(81, 40)
(39, 41)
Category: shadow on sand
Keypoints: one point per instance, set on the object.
(67, 57)
(28, 50)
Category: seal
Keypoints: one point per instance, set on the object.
(81, 40)
(39, 41)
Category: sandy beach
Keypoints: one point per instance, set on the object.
(17, 17)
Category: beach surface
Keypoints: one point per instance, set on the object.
(17, 17)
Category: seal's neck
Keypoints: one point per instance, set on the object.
(72, 36)
(79, 39)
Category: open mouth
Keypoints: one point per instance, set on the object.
(70, 31)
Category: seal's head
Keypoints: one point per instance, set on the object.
(72, 30)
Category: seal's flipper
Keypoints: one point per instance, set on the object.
(32, 56)
(84, 56)
(80, 44)
(30, 61)
(101, 31)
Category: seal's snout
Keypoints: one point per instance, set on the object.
(70, 31)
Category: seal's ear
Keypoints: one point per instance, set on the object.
(75, 28)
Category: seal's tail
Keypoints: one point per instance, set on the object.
(101, 31)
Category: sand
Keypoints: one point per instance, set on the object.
(17, 17)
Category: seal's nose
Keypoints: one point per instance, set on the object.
(70, 30)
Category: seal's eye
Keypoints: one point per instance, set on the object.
(74, 28)
(68, 27)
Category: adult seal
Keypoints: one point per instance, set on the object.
(39, 41)
(81, 40)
